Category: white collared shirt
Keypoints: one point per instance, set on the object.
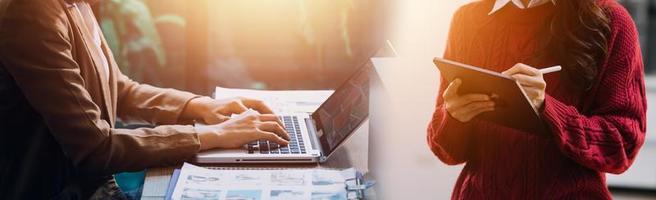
(532, 3)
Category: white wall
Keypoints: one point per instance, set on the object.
(400, 159)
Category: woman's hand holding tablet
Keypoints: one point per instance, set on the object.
(512, 99)
(465, 107)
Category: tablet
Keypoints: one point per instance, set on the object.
(513, 108)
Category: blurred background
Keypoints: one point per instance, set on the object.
(200, 44)
(196, 45)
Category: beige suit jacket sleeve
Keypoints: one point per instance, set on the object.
(142, 103)
(36, 49)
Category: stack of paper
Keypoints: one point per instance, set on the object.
(282, 184)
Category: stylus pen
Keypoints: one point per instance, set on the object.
(551, 69)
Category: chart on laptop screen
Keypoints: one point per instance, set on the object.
(344, 111)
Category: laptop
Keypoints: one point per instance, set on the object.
(315, 136)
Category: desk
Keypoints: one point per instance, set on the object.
(353, 153)
(393, 149)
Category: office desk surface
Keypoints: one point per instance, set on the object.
(392, 149)
(353, 153)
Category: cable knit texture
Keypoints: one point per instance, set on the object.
(592, 132)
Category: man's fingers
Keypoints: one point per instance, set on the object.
(273, 138)
(216, 119)
(257, 105)
(270, 118)
(274, 127)
(452, 90)
(237, 107)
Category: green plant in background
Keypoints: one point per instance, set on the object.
(132, 35)
(133, 38)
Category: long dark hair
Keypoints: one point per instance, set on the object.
(579, 33)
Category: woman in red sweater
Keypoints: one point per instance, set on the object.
(594, 109)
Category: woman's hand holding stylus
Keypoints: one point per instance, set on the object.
(531, 80)
(465, 107)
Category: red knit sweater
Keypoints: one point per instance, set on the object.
(592, 132)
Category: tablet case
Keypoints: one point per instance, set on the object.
(513, 108)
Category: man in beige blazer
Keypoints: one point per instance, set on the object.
(60, 95)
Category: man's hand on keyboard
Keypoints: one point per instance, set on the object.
(241, 130)
(210, 111)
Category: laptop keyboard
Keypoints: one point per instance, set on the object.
(296, 143)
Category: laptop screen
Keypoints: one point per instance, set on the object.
(344, 111)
